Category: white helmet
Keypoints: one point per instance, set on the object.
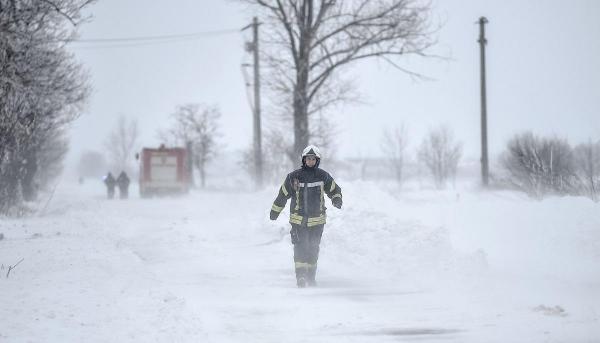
(311, 150)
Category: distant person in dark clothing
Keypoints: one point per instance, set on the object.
(110, 182)
(123, 182)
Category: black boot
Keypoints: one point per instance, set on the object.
(301, 282)
(310, 276)
(301, 276)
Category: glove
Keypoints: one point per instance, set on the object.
(337, 202)
(273, 215)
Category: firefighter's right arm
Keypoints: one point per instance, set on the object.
(281, 200)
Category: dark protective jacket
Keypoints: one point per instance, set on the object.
(123, 180)
(110, 181)
(307, 188)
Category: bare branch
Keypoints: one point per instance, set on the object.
(440, 154)
(324, 36)
(197, 125)
(13, 267)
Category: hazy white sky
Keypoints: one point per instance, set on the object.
(543, 74)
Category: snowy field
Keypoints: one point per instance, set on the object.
(418, 265)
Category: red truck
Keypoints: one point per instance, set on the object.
(164, 171)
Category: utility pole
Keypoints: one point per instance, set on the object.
(484, 143)
(257, 134)
(253, 48)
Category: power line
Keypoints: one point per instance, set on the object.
(129, 45)
(141, 39)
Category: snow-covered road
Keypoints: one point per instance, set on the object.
(210, 267)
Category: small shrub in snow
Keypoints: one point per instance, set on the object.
(540, 166)
(587, 161)
(394, 145)
(440, 154)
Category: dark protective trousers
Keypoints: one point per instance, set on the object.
(123, 192)
(110, 192)
(306, 242)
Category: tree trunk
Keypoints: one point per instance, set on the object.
(30, 169)
(300, 119)
(201, 166)
(301, 133)
(399, 174)
(10, 182)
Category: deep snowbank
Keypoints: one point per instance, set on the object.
(459, 265)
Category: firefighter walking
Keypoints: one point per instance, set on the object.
(307, 187)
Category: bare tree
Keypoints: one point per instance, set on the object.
(308, 43)
(55, 150)
(121, 145)
(42, 89)
(394, 143)
(587, 162)
(276, 162)
(540, 165)
(197, 125)
(324, 135)
(440, 154)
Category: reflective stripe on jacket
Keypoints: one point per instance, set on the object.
(306, 187)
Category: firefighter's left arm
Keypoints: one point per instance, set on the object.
(281, 200)
(333, 191)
